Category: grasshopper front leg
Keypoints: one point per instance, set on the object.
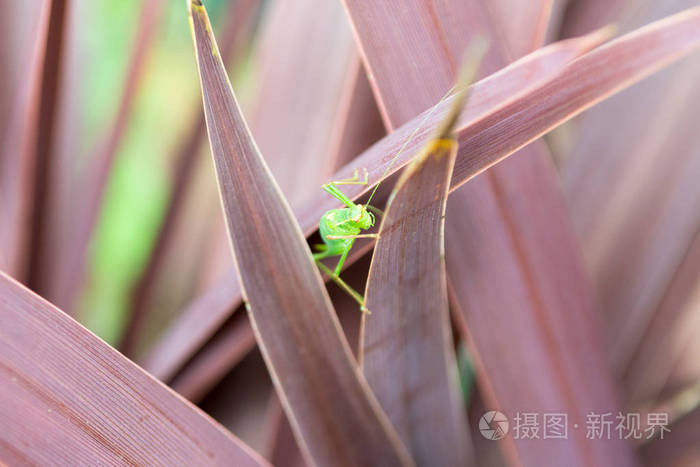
(332, 188)
(354, 180)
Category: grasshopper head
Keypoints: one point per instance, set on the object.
(363, 218)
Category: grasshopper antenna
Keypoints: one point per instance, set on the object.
(470, 66)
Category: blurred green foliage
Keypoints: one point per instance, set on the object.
(137, 190)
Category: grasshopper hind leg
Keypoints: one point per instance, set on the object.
(333, 275)
(345, 286)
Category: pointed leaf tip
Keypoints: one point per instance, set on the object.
(193, 4)
(406, 344)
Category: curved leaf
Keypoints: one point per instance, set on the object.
(77, 401)
(26, 160)
(407, 343)
(195, 324)
(678, 448)
(316, 86)
(295, 326)
(229, 346)
(628, 193)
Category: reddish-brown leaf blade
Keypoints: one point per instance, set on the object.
(306, 54)
(410, 361)
(521, 204)
(680, 447)
(27, 163)
(523, 24)
(482, 203)
(42, 150)
(581, 17)
(584, 82)
(71, 399)
(667, 356)
(628, 193)
(196, 323)
(512, 239)
(309, 359)
(407, 343)
(228, 347)
(17, 156)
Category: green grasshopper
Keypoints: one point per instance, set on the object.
(339, 228)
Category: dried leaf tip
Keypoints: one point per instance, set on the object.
(194, 4)
(197, 7)
(470, 66)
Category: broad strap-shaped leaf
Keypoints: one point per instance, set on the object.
(522, 23)
(229, 346)
(581, 84)
(200, 319)
(679, 446)
(666, 361)
(306, 58)
(629, 192)
(334, 416)
(71, 399)
(24, 155)
(196, 323)
(407, 342)
(580, 17)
